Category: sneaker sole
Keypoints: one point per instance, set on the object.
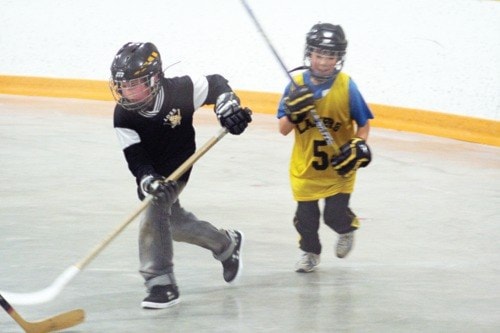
(303, 270)
(240, 263)
(151, 305)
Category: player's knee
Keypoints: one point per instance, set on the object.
(299, 225)
(333, 222)
(342, 224)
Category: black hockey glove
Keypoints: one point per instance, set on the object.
(353, 155)
(230, 113)
(165, 192)
(298, 104)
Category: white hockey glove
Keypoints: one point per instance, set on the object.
(230, 113)
(165, 192)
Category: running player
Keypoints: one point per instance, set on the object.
(314, 174)
(153, 119)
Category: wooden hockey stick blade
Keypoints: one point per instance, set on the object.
(51, 324)
(49, 293)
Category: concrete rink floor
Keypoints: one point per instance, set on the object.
(426, 258)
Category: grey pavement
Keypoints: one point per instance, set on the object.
(426, 257)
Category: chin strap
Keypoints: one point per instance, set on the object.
(299, 68)
(318, 78)
(322, 79)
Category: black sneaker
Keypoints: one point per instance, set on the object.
(234, 264)
(161, 297)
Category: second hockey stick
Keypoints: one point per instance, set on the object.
(51, 324)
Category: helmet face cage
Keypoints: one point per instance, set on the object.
(135, 75)
(328, 40)
(135, 94)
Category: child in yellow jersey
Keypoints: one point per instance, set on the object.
(319, 170)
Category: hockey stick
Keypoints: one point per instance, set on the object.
(56, 287)
(317, 120)
(55, 323)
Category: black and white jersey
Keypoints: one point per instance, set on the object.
(159, 140)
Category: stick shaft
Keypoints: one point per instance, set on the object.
(197, 155)
(105, 242)
(174, 176)
(317, 120)
(268, 42)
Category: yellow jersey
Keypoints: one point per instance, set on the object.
(311, 175)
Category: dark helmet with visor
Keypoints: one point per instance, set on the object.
(329, 40)
(135, 75)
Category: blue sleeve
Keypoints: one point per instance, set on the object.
(360, 111)
(281, 106)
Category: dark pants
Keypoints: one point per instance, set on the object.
(337, 215)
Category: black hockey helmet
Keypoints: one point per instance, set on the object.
(327, 39)
(136, 64)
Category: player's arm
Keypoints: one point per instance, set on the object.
(363, 131)
(355, 153)
(360, 112)
(228, 109)
(217, 85)
(141, 167)
(129, 140)
(214, 89)
(293, 107)
(285, 125)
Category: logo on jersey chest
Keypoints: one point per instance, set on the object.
(309, 123)
(173, 118)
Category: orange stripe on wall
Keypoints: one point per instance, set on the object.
(398, 118)
(439, 124)
(52, 87)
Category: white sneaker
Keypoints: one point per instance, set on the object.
(308, 261)
(344, 244)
